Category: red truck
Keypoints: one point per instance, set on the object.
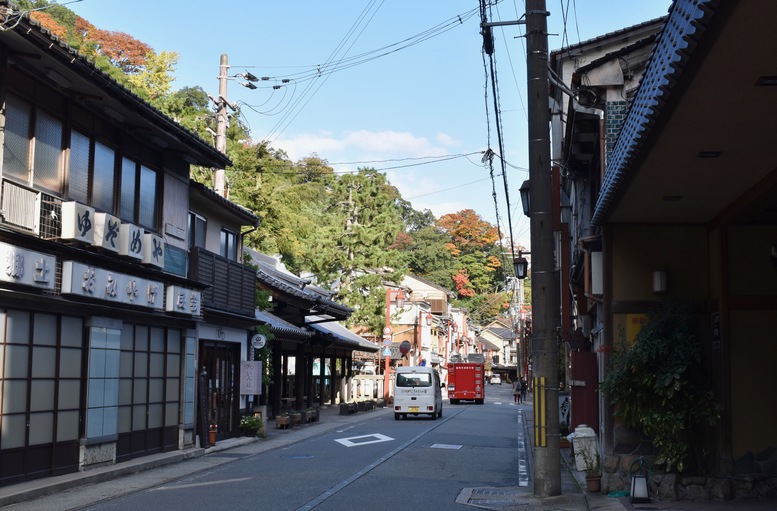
(466, 381)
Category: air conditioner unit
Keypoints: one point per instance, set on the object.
(77, 222)
(131, 241)
(153, 250)
(21, 207)
(106, 231)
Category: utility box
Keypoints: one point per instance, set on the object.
(584, 440)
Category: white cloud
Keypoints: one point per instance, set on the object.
(364, 145)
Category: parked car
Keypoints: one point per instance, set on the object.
(495, 378)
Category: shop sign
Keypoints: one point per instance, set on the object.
(22, 266)
(98, 283)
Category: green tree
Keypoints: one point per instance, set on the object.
(350, 252)
(152, 81)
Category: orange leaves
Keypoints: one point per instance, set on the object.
(462, 283)
(49, 23)
(468, 230)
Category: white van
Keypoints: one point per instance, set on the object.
(417, 390)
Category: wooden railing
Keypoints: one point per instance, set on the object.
(232, 285)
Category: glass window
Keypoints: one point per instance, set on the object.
(147, 201)
(16, 144)
(128, 188)
(48, 152)
(78, 179)
(196, 230)
(228, 244)
(102, 187)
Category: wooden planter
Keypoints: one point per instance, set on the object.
(212, 436)
(310, 415)
(282, 422)
(296, 418)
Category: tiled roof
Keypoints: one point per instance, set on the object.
(280, 326)
(675, 45)
(211, 195)
(609, 35)
(345, 337)
(295, 286)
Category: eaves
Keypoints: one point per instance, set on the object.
(673, 49)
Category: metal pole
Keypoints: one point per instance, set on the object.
(547, 464)
(221, 125)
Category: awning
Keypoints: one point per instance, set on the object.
(345, 337)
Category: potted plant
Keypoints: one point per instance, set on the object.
(282, 420)
(250, 425)
(593, 471)
(296, 417)
(212, 432)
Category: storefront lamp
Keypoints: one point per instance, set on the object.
(639, 482)
(525, 198)
(428, 320)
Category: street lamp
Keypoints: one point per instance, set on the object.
(521, 266)
(525, 198)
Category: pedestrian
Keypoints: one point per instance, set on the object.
(523, 389)
(517, 391)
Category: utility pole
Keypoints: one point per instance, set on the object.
(221, 125)
(547, 463)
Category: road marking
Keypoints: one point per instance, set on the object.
(445, 446)
(375, 438)
(206, 483)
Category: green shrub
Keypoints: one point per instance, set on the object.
(657, 385)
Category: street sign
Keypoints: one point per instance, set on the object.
(387, 352)
(387, 330)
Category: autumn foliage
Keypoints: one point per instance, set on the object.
(468, 231)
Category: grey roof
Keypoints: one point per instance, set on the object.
(503, 332)
(674, 46)
(609, 35)
(346, 338)
(237, 209)
(282, 327)
(490, 345)
(299, 288)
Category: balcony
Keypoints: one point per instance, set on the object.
(232, 286)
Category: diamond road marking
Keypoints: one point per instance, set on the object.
(375, 438)
(445, 446)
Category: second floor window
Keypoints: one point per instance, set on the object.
(196, 232)
(229, 244)
(35, 153)
(32, 146)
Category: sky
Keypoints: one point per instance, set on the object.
(398, 86)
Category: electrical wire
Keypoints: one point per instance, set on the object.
(310, 91)
(19, 15)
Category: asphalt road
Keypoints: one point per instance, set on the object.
(375, 463)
